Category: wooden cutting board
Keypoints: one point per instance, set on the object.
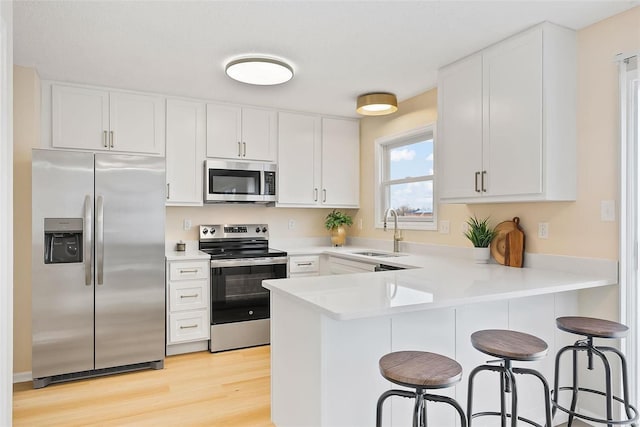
(507, 248)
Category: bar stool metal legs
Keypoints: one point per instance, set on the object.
(420, 407)
(508, 346)
(420, 371)
(507, 385)
(593, 328)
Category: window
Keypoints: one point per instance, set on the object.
(406, 178)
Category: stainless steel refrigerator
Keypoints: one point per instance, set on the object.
(98, 292)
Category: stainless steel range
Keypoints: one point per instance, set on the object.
(240, 260)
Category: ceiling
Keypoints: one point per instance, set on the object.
(338, 49)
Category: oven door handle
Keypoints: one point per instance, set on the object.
(247, 262)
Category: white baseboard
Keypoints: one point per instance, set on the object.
(22, 377)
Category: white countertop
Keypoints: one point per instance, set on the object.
(186, 255)
(437, 282)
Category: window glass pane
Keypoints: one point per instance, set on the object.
(411, 160)
(412, 200)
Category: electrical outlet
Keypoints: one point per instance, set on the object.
(543, 230)
(360, 224)
(608, 210)
(186, 224)
(443, 227)
(292, 224)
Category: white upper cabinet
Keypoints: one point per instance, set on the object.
(298, 154)
(340, 163)
(506, 121)
(318, 161)
(106, 120)
(186, 142)
(241, 133)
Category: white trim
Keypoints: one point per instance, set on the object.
(22, 377)
(629, 219)
(6, 213)
(392, 140)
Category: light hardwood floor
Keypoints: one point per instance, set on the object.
(198, 389)
(229, 389)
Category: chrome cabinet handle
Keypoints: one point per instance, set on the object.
(239, 149)
(315, 194)
(244, 149)
(188, 327)
(111, 139)
(104, 139)
(476, 182)
(324, 195)
(189, 271)
(189, 296)
(168, 191)
(484, 173)
(100, 238)
(87, 240)
(301, 264)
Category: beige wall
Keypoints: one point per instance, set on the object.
(308, 222)
(26, 122)
(575, 228)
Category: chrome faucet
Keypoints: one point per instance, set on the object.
(396, 234)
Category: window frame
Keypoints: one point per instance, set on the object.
(381, 169)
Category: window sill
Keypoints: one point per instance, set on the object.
(422, 226)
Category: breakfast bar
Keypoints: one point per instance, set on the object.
(328, 333)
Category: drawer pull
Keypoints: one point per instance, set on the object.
(189, 296)
(188, 327)
(194, 270)
(301, 264)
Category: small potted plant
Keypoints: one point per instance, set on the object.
(481, 235)
(335, 222)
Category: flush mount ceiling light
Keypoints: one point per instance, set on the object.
(377, 104)
(259, 71)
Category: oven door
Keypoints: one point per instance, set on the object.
(236, 288)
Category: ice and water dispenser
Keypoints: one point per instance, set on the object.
(62, 240)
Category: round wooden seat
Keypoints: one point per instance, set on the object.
(420, 369)
(591, 327)
(507, 344)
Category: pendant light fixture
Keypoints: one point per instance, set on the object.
(257, 70)
(377, 104)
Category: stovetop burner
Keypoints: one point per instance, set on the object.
(230, 241)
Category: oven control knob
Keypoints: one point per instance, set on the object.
(213, 230)
(251, 312)
(205, 231)
(257, 229)
(264, 229)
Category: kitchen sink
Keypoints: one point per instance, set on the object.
(378, 254)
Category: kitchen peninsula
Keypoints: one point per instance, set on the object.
(328, 333)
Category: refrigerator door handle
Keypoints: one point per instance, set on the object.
(100, 239)
(88, 221)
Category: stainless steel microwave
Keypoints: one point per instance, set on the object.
(239, 182)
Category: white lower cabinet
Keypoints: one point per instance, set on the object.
(304, 266)
(347, 266)
(188, 306)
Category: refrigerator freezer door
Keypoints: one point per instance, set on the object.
(62, 303)
(130, 301)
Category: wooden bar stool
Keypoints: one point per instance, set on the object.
(420, 371)
(593, 328)
(508, 346)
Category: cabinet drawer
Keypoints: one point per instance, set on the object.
(188, 270)
(188, 295)
(304, 264)
(188, 326)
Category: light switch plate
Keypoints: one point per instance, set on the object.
(608, 210)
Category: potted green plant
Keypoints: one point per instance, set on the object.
(481, 235)
(335, 222)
